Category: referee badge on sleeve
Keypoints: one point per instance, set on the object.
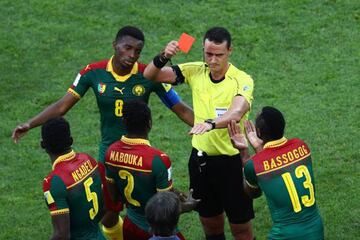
(246, 88)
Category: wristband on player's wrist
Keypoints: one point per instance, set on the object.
(160, 60)
(211, 122)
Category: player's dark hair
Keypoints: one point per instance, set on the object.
(130, 31)
(137, 117)
(218, 35)
(271, 123)
(56, 135)
(162, 213)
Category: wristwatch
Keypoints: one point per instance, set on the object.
(212, 122)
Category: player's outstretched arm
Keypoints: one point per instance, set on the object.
(156, 69)
(61, 227)
(184, 112)
(237, 110)
(56, 109)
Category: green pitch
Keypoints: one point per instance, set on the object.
(303, 57)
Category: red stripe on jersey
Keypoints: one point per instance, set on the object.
(273, 158)
(141, 67)
(74, 170)
(134, 156)
(96, 65)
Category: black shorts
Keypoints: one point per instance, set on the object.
(218, 182)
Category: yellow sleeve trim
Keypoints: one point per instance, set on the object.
(164, 189)
(61, 211)
(75, 94)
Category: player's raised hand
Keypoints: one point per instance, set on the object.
(200, 128)
(20, 131)
(171, 49)
(238, 139)
(252, 136)
(188, 204)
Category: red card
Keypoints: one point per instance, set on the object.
(185, 42)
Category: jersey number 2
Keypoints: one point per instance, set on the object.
(308, 201)
(129, 187)
(91, 196)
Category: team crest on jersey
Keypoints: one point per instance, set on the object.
(138, 90)
(101, 88)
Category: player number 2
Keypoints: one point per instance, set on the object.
(307, 201)
(129, 187)
(91, 196)
(119, 107)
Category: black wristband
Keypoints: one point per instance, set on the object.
(212, 122)
(160, 60)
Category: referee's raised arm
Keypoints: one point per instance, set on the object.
(156, 70)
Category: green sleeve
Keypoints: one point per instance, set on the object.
(250, 175)
(162, 174)
(82, 84)
(59, 193)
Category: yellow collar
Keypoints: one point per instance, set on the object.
(275, 143)
(135, 141)
(119, 78)
(65, 157)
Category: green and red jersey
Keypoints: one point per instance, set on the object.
(74, 187)
(139, 171)
(283, 171)
(112, 91)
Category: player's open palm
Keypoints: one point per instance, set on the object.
(238, 139)
(20, 131)
(251, 135)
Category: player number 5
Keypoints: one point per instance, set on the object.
(91, 196)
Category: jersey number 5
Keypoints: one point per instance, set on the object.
(91, 196)
(308, 201)
(129, 187)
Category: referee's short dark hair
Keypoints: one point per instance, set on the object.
(271, 123)
(218, 35)
(137, 117)
(162, 212)
(56, 135)
(130, 31)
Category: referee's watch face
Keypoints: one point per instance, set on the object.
(127, 51)
(216, 56)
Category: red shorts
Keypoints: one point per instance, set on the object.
(133, 232)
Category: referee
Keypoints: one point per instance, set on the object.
(221, 93)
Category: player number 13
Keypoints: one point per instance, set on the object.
(306, 200)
